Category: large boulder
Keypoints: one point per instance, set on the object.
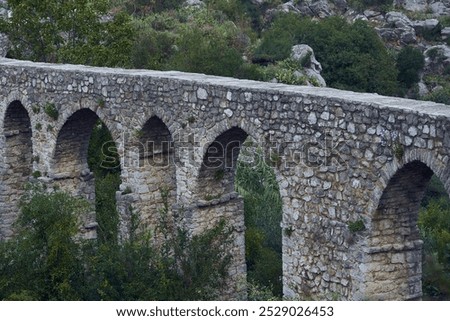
(4, 12)
(398, 20)
(445, 33)
(425, 25)
(398, 28)
(412, 5)
(436, 7)
(304, 54)
(440, 8)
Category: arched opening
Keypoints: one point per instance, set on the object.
(394, 268)
(86, 164)
(155, 177)
(18, 163)
(236, 184)
(257, 184)
(218, 169)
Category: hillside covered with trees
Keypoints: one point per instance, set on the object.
(361, 45)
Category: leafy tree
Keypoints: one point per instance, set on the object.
(74, 31)
(43, 261)
(47, 261)
(410, 61)
(155, 41)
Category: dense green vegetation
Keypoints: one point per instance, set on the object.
(256, 182)
(68, 31)
(46, 261)
(228, 38)
(434, 224)
(352, 55)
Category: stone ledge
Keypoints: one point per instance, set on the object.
(374, 100)
(407, 246)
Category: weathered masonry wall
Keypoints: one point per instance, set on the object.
(351, 167)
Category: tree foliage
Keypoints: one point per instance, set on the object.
(410, 61)
(46, 261)
(352, 55)
(74, 31)
(43, 261)
(256, 182)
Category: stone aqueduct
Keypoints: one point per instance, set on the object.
(341, 158)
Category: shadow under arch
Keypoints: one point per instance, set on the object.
(218, 168)
(70, 169)
(18, 163)
(394, 258)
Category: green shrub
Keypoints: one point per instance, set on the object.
(256, 182)
(45, 261)
(410, 62)
(206, 48)
(439, 96)
(51, 111)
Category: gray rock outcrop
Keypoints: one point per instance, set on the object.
(311, 67)
(194, 3)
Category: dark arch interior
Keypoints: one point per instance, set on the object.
(395, 255)
(18, 156)
(219, 163)
(156, 144)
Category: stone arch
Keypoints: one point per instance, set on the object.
(70, 153)
(394, 256)
(153, 178)
(17, 163)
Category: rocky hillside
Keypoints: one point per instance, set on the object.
(420, 24)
